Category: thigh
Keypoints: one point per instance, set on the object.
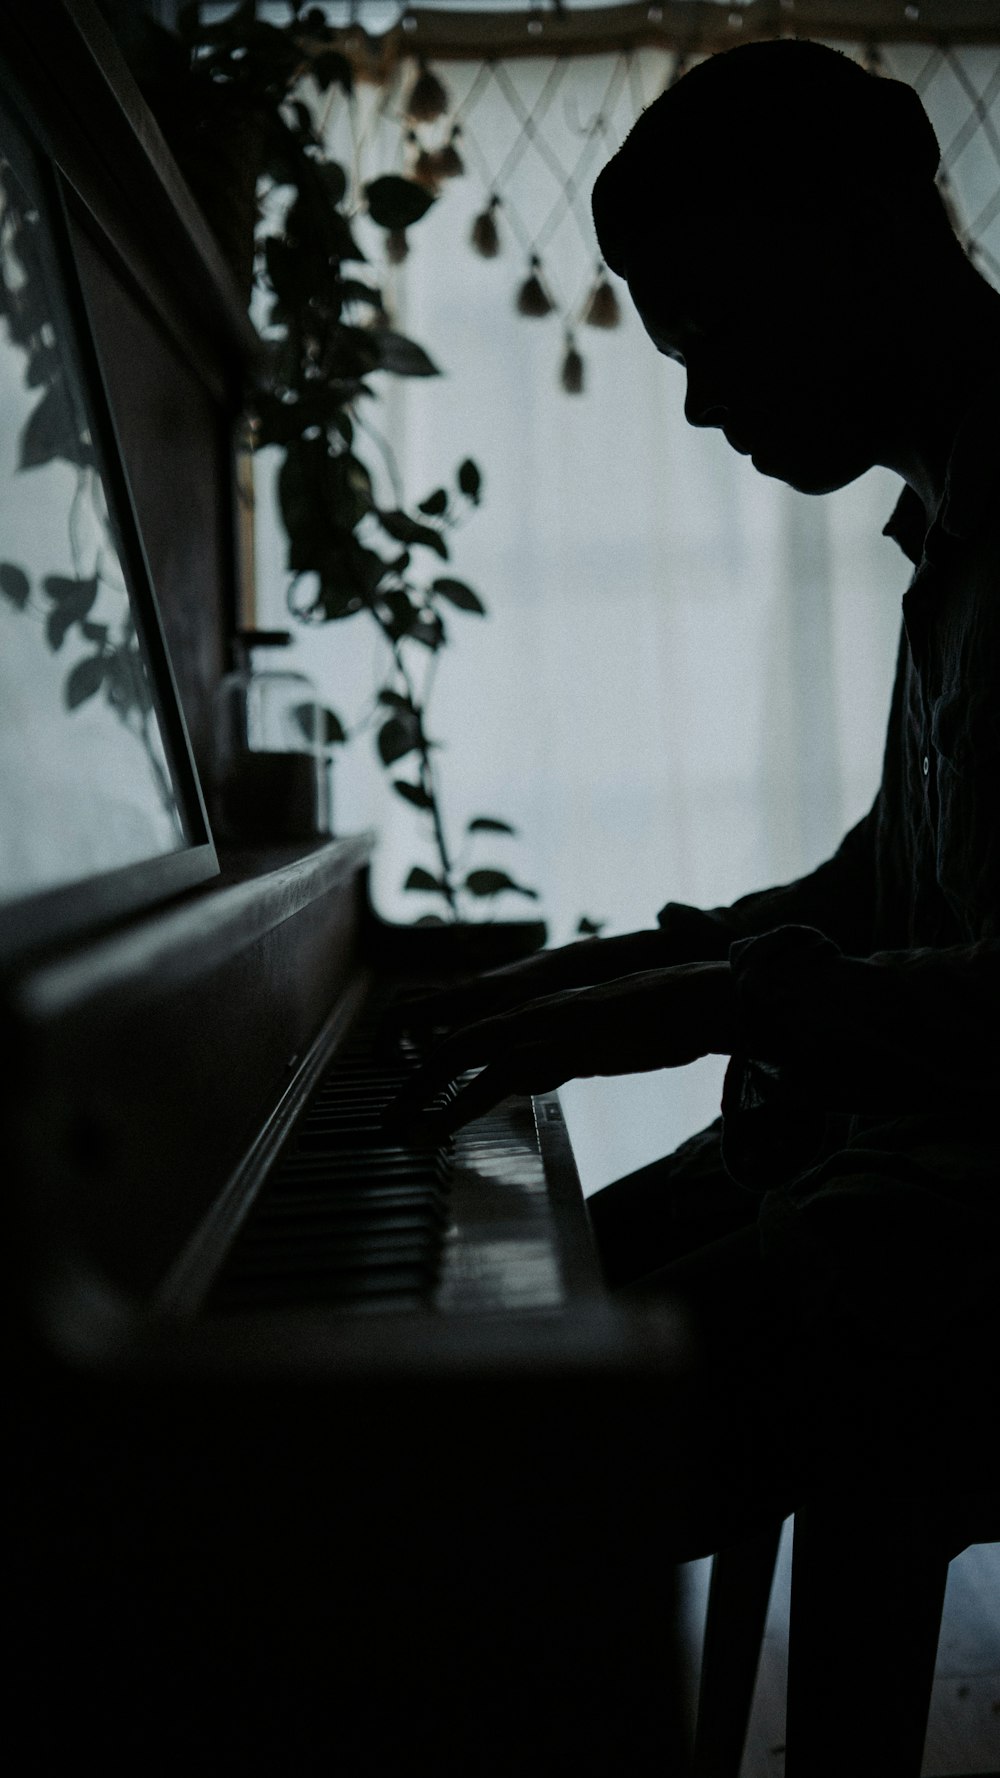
(669, 1208)
(787, 1398)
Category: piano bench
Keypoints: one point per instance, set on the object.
(868, 1584)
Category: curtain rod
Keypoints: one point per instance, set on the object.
(692, 25)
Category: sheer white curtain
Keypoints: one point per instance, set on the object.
(681, 688)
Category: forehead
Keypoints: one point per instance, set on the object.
(678, 296)
(695, 273)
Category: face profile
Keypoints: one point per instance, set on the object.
(775, 216)
(778, 346)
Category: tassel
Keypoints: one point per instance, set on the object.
(396, 246)
(602, 309)
(485, 236)
(572, 369)
(531, 298)
(425, 170)
(428, 100)
(448, 163)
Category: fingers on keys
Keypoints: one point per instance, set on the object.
(505, 1067)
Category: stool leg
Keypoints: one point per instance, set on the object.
(867, 1593)
(738, 1596)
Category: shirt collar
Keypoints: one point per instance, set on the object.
(907, 524)
(971, 482)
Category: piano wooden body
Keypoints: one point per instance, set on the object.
(326, 1458)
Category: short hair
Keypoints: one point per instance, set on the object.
(779, 125)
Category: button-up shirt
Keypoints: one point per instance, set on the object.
(864, 1096)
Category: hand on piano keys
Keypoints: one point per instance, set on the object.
(658, 1018)
(582, 964)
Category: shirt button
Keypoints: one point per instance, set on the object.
(926, 765)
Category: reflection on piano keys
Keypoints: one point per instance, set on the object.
(358, 1222)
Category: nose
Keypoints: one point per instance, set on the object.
(706, 400)
(703, 405)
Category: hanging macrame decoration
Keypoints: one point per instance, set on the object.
(448, 163)
(427, 100)
(571, 376)
(485, 236)
(602, 309)
(532, 298)
(422, 167)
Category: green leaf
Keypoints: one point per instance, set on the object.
(428, 629)
(402, 356)
(457, 593)
(86, 678)
(402, 613)
(43, 364)
(62, 588)
(469, 479)
(125, 681)
(488, 824)
(412, 793)
(395, 202)
(406, 530)
(492, 882)
(354, 290)
(396, 738)
(589, 928)
(14, 584)
(435, 504)
(318, 724)
(422, 879)
(72, 599)
(51, 431)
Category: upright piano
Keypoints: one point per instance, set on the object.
(329, 1455)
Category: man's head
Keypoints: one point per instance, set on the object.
(775, 215)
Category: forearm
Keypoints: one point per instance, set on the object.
(838, 898)
(907, 1031)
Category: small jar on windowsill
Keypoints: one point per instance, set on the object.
(272, 772)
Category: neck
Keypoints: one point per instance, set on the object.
(937, 388)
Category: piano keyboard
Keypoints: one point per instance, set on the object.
(358, 1224)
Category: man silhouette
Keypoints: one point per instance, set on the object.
(837, 1234)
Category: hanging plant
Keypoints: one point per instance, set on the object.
(324, 333)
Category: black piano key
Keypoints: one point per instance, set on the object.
(370, 1258)
(271, 1237)
(348, 1217)
(315, 1196)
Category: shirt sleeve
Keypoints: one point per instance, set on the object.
(837, 899)
(895, 1032)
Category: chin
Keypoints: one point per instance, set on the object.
(812, 473)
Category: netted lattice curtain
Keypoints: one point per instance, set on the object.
(511, 146)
